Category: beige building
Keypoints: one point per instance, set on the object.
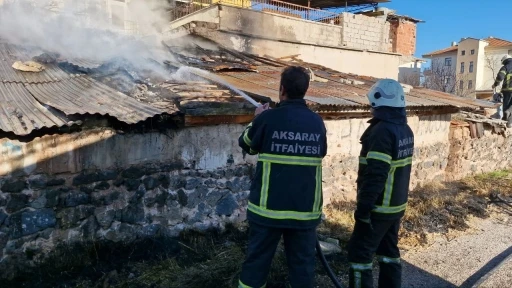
(467, 68)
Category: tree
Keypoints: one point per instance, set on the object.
(493, 63)
(410, 78)
(444, 78)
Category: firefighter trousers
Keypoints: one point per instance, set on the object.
(507, 106)
(300, 255)
(379, 239)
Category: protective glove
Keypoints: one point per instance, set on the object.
(363, 223)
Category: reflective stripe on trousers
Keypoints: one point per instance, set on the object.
(385, 259)
(242, 285)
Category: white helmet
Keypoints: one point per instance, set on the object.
(386, 92)
(506, 57)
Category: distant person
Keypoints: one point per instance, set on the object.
(505, 75)
(382, 188)
(286, 191)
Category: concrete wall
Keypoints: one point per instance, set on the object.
(103, 149)
(261, 24)
(492, 64)
(278, 36)
(363, 32)
(340, 59)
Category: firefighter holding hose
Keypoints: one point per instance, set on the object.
(382, 188)
(286, 191)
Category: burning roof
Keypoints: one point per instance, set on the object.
(65, 91)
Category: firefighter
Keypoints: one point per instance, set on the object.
(505, 75)
(286, 192)
(382, 188)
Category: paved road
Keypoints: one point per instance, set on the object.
(464, 260)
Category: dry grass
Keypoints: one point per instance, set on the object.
(434, 208)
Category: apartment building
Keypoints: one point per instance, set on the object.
(467, 68)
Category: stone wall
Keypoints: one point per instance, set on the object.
(99, 185)
(340, 165)
(364, 32)
(38, 212)
(470, 156)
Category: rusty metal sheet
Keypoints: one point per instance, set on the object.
(83, 95)
(250, 87)
(21, 114)
(313, 94)
(10, 54)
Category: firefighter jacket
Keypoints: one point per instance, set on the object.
(385, 165)
(505, 75)
(286, 189)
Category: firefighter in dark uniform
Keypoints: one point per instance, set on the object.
(382, 188)
(505, 75)
(286, 191)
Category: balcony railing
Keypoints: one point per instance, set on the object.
(272, 6)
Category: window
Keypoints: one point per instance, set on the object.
(470, 84)
(446, 80)
(463, 52)
(509, 52)
(461, 84)
(472, 51)
(461, 67)
(447, 61)
(471, 67)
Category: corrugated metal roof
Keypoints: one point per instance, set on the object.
(10, 54)
(342, 89)
(21, 114)
(84, 63)
(83, 95)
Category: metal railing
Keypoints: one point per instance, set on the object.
(289, 9)
(271, 6)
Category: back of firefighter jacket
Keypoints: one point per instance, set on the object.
(286, 189)
(385, 165)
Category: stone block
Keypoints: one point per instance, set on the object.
(29, 222)
(13, 185)
(16, 202)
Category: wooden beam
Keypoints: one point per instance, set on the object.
(192, 121)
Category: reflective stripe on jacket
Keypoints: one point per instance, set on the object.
(286, 190)
(385, 165)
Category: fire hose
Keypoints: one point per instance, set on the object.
(327, 268)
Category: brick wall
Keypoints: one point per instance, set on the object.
(402, 36)
(363, 32)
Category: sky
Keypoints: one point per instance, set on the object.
(450, 20)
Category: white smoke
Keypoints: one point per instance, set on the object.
(89, 29)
